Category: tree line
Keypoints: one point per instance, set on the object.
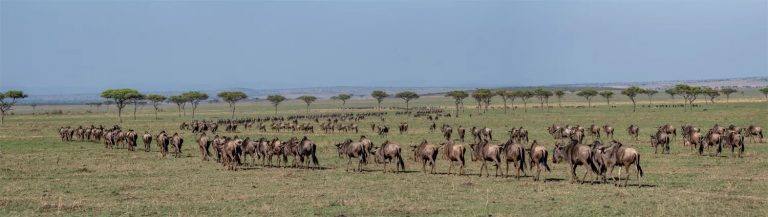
(483, 97)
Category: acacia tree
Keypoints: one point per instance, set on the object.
(180, 102)
(632, 92)
(524, 95)
(672, 92)
(542, 95)
(588, 94)
(232, 97)
(484, 95)
(156, 101)
(407, 96)
(8, 100)
(765, 92)
(194, 98)
(479, 99)
(120, 97)
(511, 96)
(458, 97)
(728, 92)
(136, 100)
(379, 96)
(276, 100)
(607, 95)
(689, 93)
(343, 98)
(559, 94)
(308, 100)
(712, 94)
(503, 94)
(650, 94)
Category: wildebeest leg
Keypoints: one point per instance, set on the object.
(626, 168)
(507, 169)
(584, 178)
(450, 166)
(349, 161)
(433, 167)
(498, 166)
(424, 166)
(481, 169)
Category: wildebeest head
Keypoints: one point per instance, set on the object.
(557, 153)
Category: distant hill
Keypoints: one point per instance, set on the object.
(364, 92)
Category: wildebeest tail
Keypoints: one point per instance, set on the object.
(522, 159)
(314, 155)
(400, 162)
(637, 165)
(545, 161)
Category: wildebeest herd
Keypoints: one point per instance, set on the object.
(569, 147)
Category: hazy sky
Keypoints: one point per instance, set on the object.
(86, 46)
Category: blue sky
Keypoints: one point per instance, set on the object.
(86, 46)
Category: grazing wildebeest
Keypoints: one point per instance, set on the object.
(514, 152)
(575, 154)
(383, 131)
(608, 131)
(425, 153)
(147, 140)
(634, 131)
(486, 152)
(403, 128)
(367, 144)
(163, 141)
(204, 143)
(753, 131)
(538, 155)
(618, 155)
(177, 141)
(387, 153)
(461, 131)
(454, 152)
(307, 150)
(353, 150)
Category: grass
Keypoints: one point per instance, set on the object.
(43, 176)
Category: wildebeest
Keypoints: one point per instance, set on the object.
(231, 153)
(594, 131)
(454, 152)
(131, 138)
(753, 131)
(486, 152)
(634, 131)
(387, 153)
(204, 145)
(712, 139)
(275, 149)
(461, 132)
(660, 139)
(515, 153)
(618, 155)
(250, 147)
(736, 141)
(447, 131)
(426, 153)
(147, 140)
(163, 141)
(670, 130)
(575, 154)
(403, 128)
(177, 141)
(353, 150)
(307, 153)
(538, 156)
(608, 131)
